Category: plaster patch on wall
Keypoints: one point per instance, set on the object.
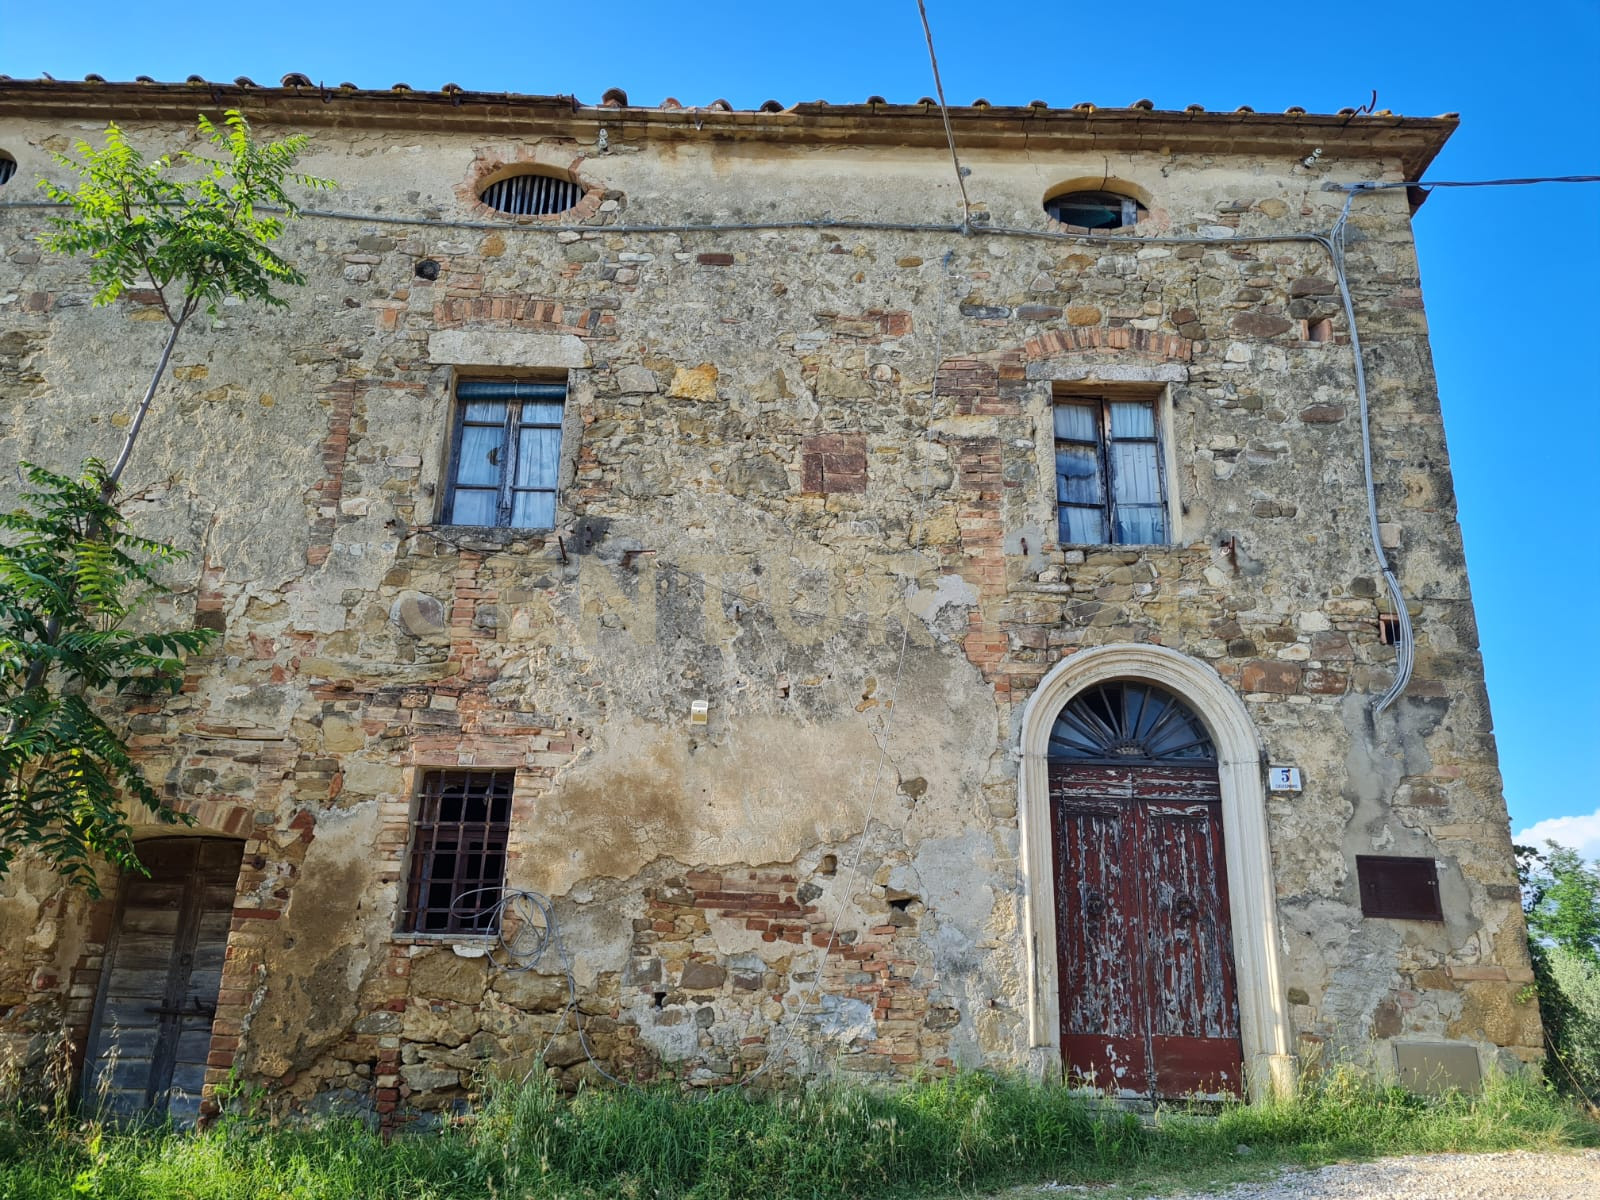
(949, 592)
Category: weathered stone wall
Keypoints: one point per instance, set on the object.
(807, 478)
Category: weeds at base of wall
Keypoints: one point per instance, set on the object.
(958, 1134)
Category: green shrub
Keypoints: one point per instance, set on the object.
(1573, 1026)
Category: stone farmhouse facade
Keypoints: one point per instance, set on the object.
(859, 635)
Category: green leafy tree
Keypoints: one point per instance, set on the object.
(196, 227)
(70, 576)
(1561, 899)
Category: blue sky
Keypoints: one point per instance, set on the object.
(1508, 273)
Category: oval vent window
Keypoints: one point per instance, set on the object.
(8, 167)
(1095, 210)
(532, 195)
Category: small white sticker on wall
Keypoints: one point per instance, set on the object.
(1283, 779)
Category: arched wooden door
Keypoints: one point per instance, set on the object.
(1145, 956)
(151, 1033)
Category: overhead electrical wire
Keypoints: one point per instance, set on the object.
(1373, 186)
(944, 113)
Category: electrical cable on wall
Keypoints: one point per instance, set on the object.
(1405, 639)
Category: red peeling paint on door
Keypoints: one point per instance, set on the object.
(1148, 999)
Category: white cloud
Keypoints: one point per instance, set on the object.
(1582, 833)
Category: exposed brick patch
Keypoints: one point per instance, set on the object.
(982, 387)
(676, 951)
(324, 495)
(209, 613)
(833, 462)
(874, 325)
(1264, 675)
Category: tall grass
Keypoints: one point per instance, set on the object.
(957, 1134)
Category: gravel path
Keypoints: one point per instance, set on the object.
(1517, 1175)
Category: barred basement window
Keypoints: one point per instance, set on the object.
(8, 167)
(458, 852)
(505, 454)
(1095, 210)
(1110, 486)
(532, 194)
(1405, 889)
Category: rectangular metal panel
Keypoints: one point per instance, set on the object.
(1433, 1068)
(1400, 888)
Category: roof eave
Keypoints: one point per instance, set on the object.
(1413, 141)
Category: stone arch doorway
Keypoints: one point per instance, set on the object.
(1242, 877)
(150, 1037)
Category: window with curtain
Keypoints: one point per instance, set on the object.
(505, 454)
(1110, 488)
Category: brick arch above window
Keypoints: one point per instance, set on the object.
(1148, 343)
(212, 817)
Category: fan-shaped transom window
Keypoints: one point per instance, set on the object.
(1095, 210)
(8, 167)
(532, 195)
(1128, 721)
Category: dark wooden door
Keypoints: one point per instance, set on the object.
(1148, 1001)
(151, 1032)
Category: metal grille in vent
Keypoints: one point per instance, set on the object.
(532, 195)
(8, 167)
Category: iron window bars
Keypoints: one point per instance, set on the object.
(505, 454)
(532, 195)
(1110, 480)
(458, 851)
